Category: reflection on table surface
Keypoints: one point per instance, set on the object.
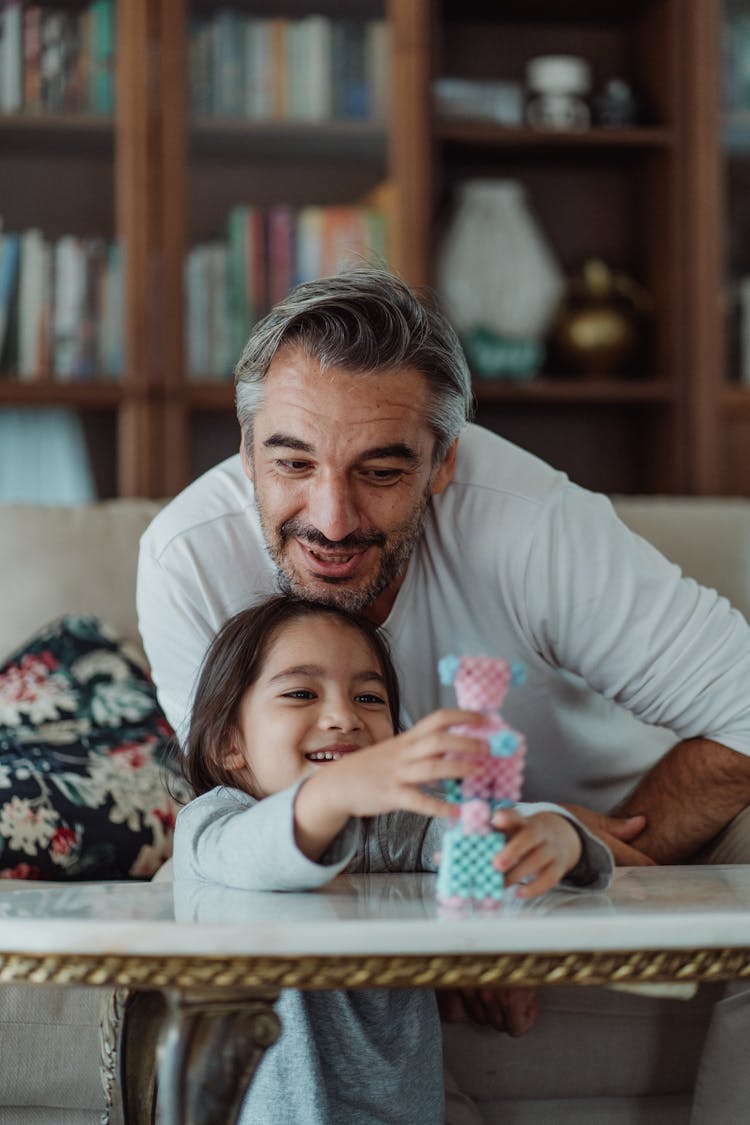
(647, 907)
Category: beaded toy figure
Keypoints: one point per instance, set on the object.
(466, 874)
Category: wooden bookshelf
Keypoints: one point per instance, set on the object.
(653, 200)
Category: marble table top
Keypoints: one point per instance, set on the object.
(666, 908)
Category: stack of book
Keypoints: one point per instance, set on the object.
(61, 307)
(232, 282)
(55, 60)
(312, 69)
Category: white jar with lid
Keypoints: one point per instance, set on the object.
(558, 86)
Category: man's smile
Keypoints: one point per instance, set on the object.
(331, 562)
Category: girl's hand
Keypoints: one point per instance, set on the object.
(542, 848)
(388, 776)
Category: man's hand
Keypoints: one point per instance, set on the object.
(689, 796)
(513, 1010)
(616, 832)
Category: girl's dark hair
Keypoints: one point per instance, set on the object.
(234, 661)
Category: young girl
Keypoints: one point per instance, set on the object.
(300, 773)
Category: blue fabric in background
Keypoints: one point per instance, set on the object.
(43, 457)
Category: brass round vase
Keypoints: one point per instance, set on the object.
(600, 327)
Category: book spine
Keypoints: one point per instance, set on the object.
(228, 60)
(10, 253)
(281, 252)
(378, 68)
(11, 63)
(32, 49)
(102, 39)
(351, 97)
(200, 68)
(33, 302)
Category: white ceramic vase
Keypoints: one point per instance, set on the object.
(495, 268)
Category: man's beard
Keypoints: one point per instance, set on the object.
(397, 547)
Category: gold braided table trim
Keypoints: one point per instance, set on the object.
(384, 971)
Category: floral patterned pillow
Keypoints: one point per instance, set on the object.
(87, 790)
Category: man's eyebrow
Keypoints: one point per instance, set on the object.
(313, 670)
(287, 442)
(397, 450)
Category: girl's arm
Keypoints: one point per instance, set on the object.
(228, 837)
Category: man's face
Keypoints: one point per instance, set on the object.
(342, 468)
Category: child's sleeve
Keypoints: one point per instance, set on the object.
(228, 837)
(595, 868)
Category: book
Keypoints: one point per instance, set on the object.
(200, 67)
(227, 63)
(378, 68)
(102, 56)
(55, 64)
(258, 94)
(350, 94)
(11, 58)
(281, 254)
(32, 50)
(239, 278)
(69, 296)
(10, 250)
(34, 300)
(311, 84)
(111, 343)
(277, 62)
(309, 244)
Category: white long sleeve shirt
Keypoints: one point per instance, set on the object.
(623, 655)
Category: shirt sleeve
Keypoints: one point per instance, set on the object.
(175, 634)
(604, 604)
(227, 837)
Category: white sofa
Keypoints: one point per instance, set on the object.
(596, 1056)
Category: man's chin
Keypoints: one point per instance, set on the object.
(339, 592)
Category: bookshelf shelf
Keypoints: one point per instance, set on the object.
(562, 390)
(58, 134)
(338, 140)
(210, 395)
(487, 135)
(95, 394)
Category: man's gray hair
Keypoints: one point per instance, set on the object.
(365, 320)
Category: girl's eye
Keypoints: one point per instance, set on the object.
(300, 693)
(370, 697)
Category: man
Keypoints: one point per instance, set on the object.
(360, 483)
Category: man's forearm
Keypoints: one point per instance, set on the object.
(688, 797)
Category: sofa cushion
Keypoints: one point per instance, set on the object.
(86, 786)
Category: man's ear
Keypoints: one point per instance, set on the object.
(246, 458)
(443, 474)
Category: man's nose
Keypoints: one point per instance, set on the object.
(332, 509)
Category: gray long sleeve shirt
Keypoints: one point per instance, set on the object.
(369, 1057)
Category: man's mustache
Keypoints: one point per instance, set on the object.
(294, 529)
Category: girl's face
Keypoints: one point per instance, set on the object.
(320, 695)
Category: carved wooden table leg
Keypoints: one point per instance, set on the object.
(209, 1049)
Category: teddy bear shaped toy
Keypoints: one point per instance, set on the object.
(465, 873)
